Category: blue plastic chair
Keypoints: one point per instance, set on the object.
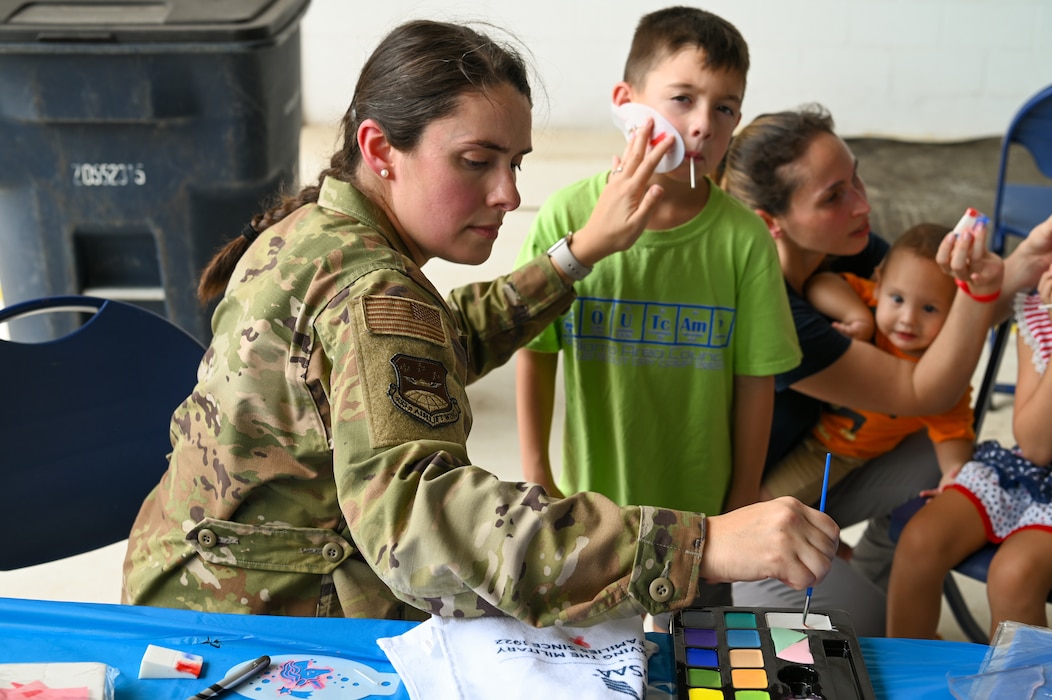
(84, 423)
(1018, 207)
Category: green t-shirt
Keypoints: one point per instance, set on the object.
(652, 344)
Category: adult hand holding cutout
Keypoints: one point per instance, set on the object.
(624, 207)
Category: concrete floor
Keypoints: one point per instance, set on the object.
(907, 183)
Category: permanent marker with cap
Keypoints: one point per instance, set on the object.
(236, 677)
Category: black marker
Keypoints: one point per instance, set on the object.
(236, 677)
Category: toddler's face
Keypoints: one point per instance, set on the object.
(913, 299)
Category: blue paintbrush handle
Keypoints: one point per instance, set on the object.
(821, 509)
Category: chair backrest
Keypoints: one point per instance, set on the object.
(84, 422)
(1019, 206)
(1032, 128)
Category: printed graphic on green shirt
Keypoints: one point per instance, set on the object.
(640, 333)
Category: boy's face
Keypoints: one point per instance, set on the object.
(704, 106)
(913, 299)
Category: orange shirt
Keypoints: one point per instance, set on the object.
(854, 433)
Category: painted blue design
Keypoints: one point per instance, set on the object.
(319, 678)
(300, 674)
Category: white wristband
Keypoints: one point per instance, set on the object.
(564, 259)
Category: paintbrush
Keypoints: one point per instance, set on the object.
(821, 509)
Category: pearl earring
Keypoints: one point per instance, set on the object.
(384, 173)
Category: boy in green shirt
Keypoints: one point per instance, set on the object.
(671, 346)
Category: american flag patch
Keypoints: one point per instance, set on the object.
(385, 315)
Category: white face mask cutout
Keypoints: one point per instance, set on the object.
(631, 115)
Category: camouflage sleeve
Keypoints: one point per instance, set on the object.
(451, 538)
(516, 552)
(500, 317)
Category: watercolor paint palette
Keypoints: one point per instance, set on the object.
(729, 653)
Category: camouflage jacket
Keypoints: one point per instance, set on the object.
(319, 466)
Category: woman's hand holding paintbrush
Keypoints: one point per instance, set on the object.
(781, 539)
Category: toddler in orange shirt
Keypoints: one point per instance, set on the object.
(901, 310)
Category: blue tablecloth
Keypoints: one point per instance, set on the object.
(35, 631)
(915, 669)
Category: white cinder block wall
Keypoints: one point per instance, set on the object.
(911, 69)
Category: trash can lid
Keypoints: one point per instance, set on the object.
(151, 21)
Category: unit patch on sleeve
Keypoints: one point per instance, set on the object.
(420, 390)
(391, 315)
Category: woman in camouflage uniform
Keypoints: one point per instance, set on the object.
(319, 466)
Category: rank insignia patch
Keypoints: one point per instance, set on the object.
(421, 391)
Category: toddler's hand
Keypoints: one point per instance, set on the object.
(945, 481)
(1044, 286)
(859, 329)
(1037, 246)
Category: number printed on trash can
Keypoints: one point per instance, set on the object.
(108, 174)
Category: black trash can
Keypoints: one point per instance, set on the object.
(137, 137)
